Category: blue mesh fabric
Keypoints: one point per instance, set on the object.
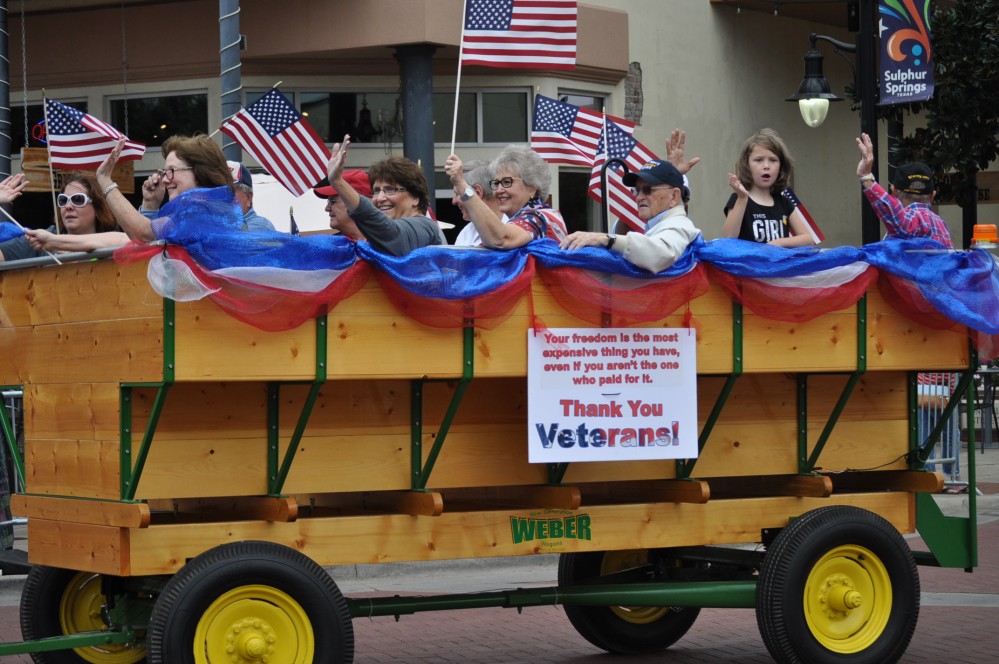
(9, 231)
(598, 259)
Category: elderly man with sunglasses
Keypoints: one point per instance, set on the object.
(659, 193)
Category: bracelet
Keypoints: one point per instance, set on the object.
(108, 189)
(867, 178)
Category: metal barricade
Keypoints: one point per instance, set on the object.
(10, 480)
(933, 391)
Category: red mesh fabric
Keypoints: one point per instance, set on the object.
(485, 311)
(612, 300)
(789, 303)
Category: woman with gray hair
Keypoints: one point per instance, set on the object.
(521, 183)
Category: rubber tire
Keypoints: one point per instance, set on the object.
(605, 628)
(188, 595)
(780, 593)
(41, 598)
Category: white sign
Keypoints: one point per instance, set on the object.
(611, 394)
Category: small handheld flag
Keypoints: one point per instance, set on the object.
(79, 140)
(813, 228)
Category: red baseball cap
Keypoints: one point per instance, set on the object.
(357, 179)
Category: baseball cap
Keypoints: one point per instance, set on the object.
(240, 173)
(357, 179)
(656, 172)
(915, 178)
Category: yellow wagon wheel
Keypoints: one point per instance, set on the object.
(629, 630)
(57, 602)
(838, 582)
(250, 603)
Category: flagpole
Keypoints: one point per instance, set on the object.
(457, 85)
(604, 184)
(18, 224)
(48, 152)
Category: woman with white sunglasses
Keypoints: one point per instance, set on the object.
(86, 220)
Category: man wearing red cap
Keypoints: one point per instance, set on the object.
(337, 210)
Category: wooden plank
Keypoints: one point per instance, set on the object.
(826, 343)
(99, 512)
(35, 165)
(258, 508)
(666, 491)
(73, 468)
(128, 350)
(415, 503)
(72, 411)
(802, 486)
(247, 352)
(399, 538)
(76, 293)
(551, 497)
(892, 480)
(83, 546)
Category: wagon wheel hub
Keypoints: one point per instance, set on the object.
(843, 599)
(250, 640)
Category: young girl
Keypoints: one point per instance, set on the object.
(757, 211)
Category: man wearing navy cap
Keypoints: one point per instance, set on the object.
(906, 211)
(244, 196)
(659, 193)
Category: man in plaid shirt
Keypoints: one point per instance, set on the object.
(905, 211)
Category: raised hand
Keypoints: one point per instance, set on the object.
(12, 187)
(866, 155)
(737, 186)
(675, 152)
(338, 158)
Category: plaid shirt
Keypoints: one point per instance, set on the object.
(916, 220)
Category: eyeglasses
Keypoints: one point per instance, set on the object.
(506, 183)
(78, 200)
(388, 191)
(170, 173)
(332, 200)
(647, 189)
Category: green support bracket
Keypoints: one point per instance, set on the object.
(685, 467)
(925, 447)
(131, 471)
(556, 472)
(801, 404)
(820, 444)
(277, 476)
(422, 471)
(8, 435)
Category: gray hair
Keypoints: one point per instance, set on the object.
(528, 164)
(245, 188)
(478, 172)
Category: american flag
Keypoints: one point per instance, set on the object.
(620, 144)
(281, 140)
(813, 228)
(564, 133)
(79, 140)
(520, 33)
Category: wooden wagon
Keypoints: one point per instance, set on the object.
(188, 476)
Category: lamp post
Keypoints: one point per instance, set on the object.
(814, 94)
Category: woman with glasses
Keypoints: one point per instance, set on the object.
(394, 221)
(192, 162)
(86, 219)
(521, 186)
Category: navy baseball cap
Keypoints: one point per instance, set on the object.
(656, 172)
(915, 178)
(240, 173)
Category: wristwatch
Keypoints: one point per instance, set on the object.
(867, 178)
(465, 195)
(610, 240)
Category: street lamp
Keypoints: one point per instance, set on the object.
(814, 94)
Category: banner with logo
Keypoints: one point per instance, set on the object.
(906, 53)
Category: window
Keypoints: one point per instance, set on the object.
(484, 116)
(36, 125)
(151, 120)
(581, 213)
(591, 102)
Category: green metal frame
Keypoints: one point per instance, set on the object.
(131, 471)
(421, 470)
(278, 474)
(952, 541)
(8, 435)
(69, 641)
(685, 467)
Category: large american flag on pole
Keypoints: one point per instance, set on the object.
(78, 140)
(273, 131)
(520, 33)
(565, 134)
(618, 143)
